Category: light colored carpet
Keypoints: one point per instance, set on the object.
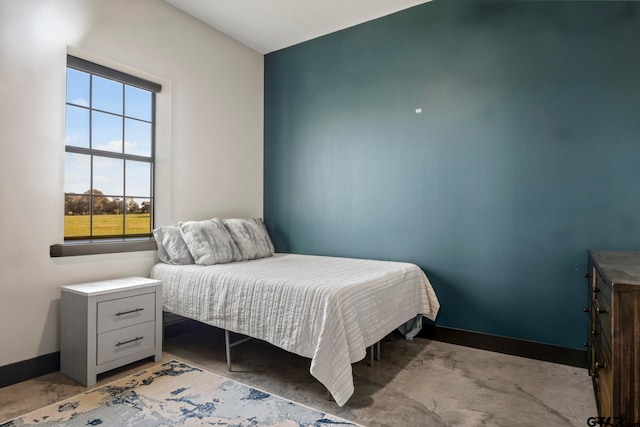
(419, 383)
(176, 393)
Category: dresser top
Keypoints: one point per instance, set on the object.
(618, 267)
(114, 285)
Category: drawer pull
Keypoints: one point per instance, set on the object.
(586, 344)
(601, 365)
(595, 289)
(601, 310)
(587, 310)
(594, 332)
(122, 313)
(129, 342)
(588, 275)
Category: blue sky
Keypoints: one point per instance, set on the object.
(107, 134)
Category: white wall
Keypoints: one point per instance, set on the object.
(209, 141)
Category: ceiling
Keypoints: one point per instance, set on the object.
(269, 25)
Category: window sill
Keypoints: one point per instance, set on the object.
(93, 247)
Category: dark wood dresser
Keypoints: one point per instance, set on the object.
(614, 333)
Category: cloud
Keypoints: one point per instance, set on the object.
(108, 173)
(80, 101)
(129, 146)
(77, 173)
(116, 145)
(72, 137)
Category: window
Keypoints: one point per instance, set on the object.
(109, 166)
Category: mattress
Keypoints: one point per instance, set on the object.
(328, 309)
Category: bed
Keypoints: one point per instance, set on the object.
(328, 309)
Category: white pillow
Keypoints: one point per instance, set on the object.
(171, 246)
(251, 237)
(209, 242)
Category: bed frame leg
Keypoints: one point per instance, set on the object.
(228, 344)
(374, 352)
(227, 347)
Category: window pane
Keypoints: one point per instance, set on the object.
(138, 179)
(77, 127)
(106, 132)
(137, 103)
(76, 216)
(108, 176)
(137, 137)
(105, 221)
(77, 87)
(138, 217)
(77, 178)
(106, 95)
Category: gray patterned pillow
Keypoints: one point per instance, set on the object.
(209, 242)
(171, 246)
(251, 237)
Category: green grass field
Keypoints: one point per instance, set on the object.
(103, 225)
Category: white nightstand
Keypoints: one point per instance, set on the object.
(107, 324)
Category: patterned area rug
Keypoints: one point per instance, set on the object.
(175, 393)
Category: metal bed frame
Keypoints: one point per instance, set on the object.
(374, 350)
(173, 319)
(170, 319)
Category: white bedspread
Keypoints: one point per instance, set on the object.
(325, 308)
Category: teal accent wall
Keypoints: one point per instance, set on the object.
(526, 153)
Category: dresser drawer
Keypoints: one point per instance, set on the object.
(603, 291)
(604, 379)
(124, 342)
(603, 317)
(124, 312)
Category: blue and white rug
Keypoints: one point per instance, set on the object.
(175, 393)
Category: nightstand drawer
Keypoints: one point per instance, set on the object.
(124, 312)
(124, 342)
